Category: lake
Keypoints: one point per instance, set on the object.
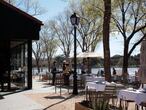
(131, 71)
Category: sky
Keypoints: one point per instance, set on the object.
(52, 8)
(116, 46)
(55, 7)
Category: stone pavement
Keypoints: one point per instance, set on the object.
(41, 97)
(22, 101)
(18, 101)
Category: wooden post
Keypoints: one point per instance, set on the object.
(29, 64)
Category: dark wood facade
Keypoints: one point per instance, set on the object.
(17, 28)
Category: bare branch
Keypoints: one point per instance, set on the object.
(137, 43)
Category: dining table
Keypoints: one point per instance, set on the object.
(94, 78)
(138, 96)
(95, 85)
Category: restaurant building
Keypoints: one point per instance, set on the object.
(17, 32)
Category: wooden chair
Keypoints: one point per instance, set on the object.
(143, 105)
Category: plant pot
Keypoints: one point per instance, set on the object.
(79, 106)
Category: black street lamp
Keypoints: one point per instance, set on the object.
(75, 21)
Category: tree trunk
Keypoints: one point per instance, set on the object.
(49, 64)
(125, 62)
(38, 66)
(106, 32)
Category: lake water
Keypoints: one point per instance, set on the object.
(131, 71)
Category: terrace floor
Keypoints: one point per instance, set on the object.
(42, 97)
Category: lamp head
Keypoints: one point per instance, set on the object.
(74, 19)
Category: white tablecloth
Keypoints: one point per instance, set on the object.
(94, 85)
(140, 98)
(94, 78)
(136, 96)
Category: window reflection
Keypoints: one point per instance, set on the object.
(18, 63)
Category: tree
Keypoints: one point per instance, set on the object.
(131, 23)
(62, 29)
(104, 9)
(90, 28)
(29, 6)
(37, 52)
(106, 27)
(49, 44)
(106, 31)
(11, 1)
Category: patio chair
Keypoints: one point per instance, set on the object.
(119, 87)
(110, 90)
(59, 83)
(143, 106)
(91, 95)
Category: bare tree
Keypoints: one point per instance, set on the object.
(90, 28)
(37, 52)
(102, 10)
(62, 29)
(49, 44)
(130, 24)
(29, 6)
(11, 1)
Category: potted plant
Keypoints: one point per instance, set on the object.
(83, 105)
(101, 102)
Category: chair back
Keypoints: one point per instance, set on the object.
(110, 89)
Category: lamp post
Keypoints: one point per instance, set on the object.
(75, 21)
